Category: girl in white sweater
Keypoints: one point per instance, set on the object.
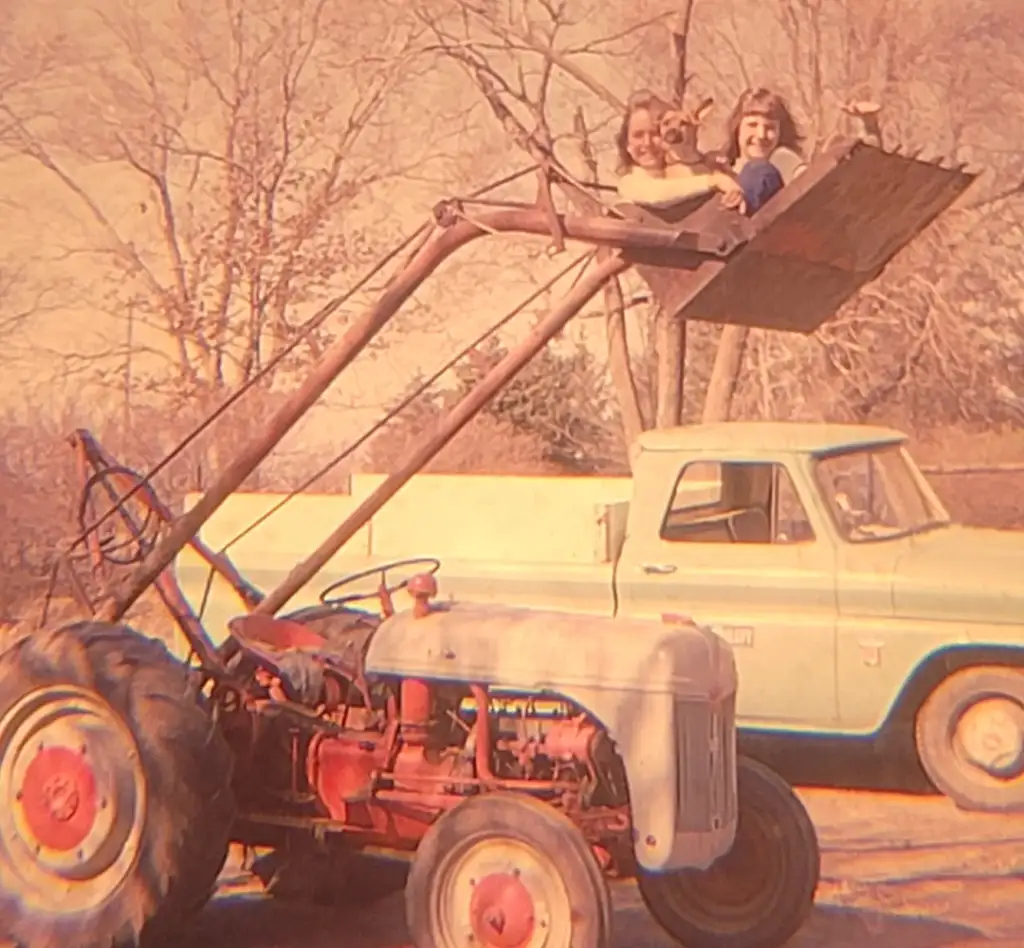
(642, 161)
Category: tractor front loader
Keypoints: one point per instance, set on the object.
(522, 757)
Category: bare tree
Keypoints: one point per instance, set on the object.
(236, 142)
(556, 416)
(527, 63)
(28, 58)
(945, 74)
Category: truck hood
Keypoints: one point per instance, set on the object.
(963, 574)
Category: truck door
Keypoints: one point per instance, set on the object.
(733, 545)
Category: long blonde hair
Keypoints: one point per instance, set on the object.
(762, 101)
(641, 101)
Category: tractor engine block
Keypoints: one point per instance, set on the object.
(435, 748)
(549, 739)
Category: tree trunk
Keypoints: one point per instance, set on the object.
(725, 373)
(671, 347)
(619, 366)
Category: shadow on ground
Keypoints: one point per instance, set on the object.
(839, 927)
(837, 763)
(251, 921)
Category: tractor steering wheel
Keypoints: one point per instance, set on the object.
(432, 564)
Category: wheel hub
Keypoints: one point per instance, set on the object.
(72, 799)
(499, 892)
(58, 797)
(990, 736)
(501, 911)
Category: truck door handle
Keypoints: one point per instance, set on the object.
(659, 569)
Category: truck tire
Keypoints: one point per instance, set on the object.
(115, 799)
(969, 735)
(490, 871)
(759, 893)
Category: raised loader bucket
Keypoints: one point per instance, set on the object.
(811, 248)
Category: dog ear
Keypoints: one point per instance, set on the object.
(705, 106)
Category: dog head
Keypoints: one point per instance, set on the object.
(678, 130)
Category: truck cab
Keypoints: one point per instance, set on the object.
(849, 595)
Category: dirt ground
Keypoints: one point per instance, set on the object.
(898, 872)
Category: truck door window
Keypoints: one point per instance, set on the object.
(718, 503)
(735, 502)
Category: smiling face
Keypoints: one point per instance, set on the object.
(643, 142)
(758, 136)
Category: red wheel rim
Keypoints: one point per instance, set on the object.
(72, 800)
(501, 911)
(58, 797)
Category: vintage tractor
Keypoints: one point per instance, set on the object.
(521, 756)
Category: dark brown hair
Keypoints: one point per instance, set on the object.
(762, 101)
(641, 101)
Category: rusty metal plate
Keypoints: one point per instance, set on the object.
(813, 246)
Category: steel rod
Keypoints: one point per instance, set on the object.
(330, 366)
(456, 419)
(595, 230)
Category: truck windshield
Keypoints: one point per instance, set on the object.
(874, 494)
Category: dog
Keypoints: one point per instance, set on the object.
(678, 130)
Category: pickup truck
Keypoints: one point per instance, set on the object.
(855, 606)
(859, 614)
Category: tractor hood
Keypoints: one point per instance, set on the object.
(558, 652)
(962, 574)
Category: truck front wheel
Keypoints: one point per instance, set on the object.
(760, 892)
(115, 803)
(502, 870)
(970, 738)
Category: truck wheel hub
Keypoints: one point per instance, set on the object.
(72, 799)
(990, 736)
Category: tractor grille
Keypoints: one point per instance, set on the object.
(706, 781)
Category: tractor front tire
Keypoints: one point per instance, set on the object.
(115, 797)
(501, 869)
(760, 892)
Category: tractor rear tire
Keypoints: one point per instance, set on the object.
(500, 865)
(760, 892)
(115, 794)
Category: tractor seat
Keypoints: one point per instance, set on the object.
(299, 656)
(269, 640)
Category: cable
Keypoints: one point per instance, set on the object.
(313, 323)
(143, 536)
(410, 398)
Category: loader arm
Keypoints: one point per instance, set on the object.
(790, 267)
